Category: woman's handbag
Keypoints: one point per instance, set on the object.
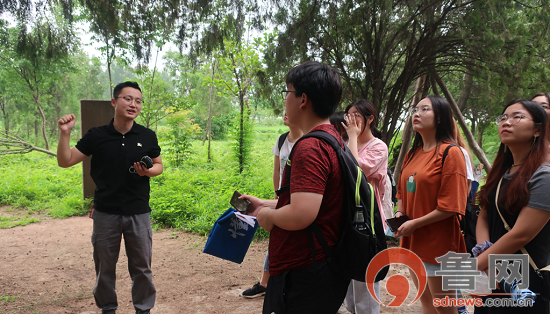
(230, 236)
(544, 273)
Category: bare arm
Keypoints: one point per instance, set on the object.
(410, 226)
(530, 222)
(300, 213)
(399, 210)
(67, 156)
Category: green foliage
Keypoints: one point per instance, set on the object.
(159, 98)
(241, 61)
(189, 197)
(220, 124)
(176, 137)
(242, 137)
(34, 181)
(194, 85)
(194, 195)
(14, 221)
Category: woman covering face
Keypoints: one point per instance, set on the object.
(372, 156)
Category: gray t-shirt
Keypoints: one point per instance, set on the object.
(538, 188)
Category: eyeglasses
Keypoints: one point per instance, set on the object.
(129, 100)
(421, 111)
(513, 120)
(355, 114)
(284, 93)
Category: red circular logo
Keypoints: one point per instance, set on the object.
(397, 285)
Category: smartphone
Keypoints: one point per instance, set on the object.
(240, 205)
(395, 223)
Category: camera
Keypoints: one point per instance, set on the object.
(145, 161)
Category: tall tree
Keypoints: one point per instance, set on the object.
(380, 47)
(38, 56)
(158, 97)
(241, 61)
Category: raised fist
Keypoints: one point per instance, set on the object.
(66, 123)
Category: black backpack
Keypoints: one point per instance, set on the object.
(282, 139)
(354, 251)
(469, 221)
(393, 187)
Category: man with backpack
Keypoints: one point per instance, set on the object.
(313, 191)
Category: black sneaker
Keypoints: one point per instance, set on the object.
(256, 291)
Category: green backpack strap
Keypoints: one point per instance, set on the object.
(358, 197)
(357, 186)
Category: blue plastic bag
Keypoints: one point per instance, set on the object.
(230, 237)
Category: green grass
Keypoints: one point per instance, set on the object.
(193, 196)
(14, 221)
(7, 298)
(34, 181)
(190, 197)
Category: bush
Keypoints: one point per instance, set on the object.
(220, 125)
(176, 137)
(193, 196)
(34, 181)
(190, 197)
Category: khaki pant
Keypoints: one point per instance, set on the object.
(138, 241)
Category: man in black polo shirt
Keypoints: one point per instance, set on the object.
(121, 199)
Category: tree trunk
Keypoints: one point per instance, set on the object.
(465, 95)
(36, 132)
(20, 146)
(433, 84)
(209, 122)
(6, 118)
(408, 130)
(479, 135)
(43, 117)
(110, 56)
(458, 114)
(241, 133)
(150, 98)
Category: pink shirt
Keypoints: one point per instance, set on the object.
(373, 160)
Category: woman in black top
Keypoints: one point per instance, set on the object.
(524, 201)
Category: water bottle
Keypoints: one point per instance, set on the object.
(359, 220)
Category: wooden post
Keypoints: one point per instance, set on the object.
(92, 113)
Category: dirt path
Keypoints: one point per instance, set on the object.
(47, 267)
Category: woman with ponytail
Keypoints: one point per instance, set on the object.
(372, 155)
(521, 175)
